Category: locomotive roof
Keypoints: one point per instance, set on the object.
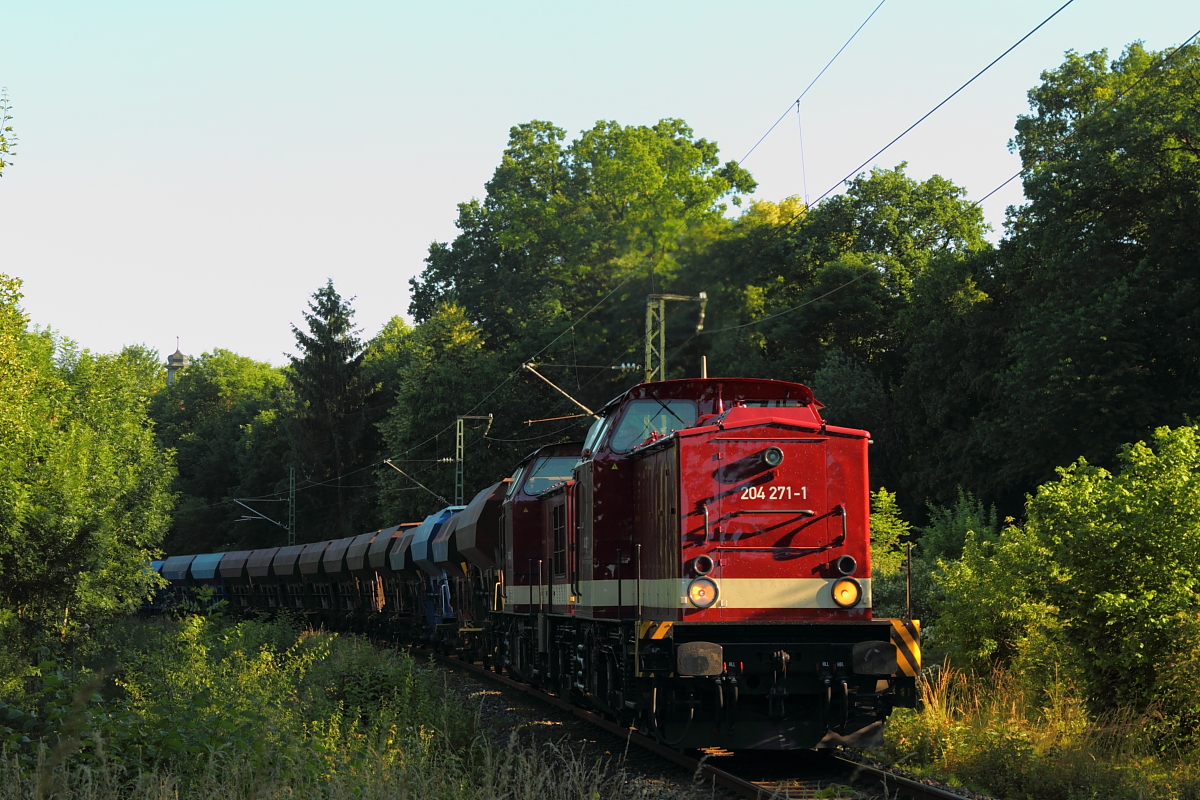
(730, 390)
(563, 449)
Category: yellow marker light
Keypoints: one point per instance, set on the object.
(847, 593)
(702, 592)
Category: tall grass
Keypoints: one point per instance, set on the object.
(201, 708)
(996, 735)
(521, 770)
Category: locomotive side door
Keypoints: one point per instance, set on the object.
(561, 562)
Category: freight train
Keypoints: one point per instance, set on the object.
(698, 567)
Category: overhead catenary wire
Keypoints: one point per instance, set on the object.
(784, 226)
(1088, 117)
(902, 134)
(1062, 139)
(558, 432)
(796, 102)
(948, 98)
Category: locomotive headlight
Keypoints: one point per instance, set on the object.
(702, 592)
(773, 456)
(847, 592)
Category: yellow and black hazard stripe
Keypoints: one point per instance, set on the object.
(906, 635)
(653, 629)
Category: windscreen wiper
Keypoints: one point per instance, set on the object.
(666, 408)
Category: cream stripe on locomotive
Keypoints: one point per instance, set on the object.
(671, 592)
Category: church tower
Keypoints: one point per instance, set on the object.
(175, 362)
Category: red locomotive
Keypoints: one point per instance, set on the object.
(699, 567)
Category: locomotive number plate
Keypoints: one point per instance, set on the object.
(774, 493)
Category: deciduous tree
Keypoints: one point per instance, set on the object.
(84, 489)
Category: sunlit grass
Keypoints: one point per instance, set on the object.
(997, 735)
(202, 708)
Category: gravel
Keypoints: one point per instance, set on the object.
(504, 711)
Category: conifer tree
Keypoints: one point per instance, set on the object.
(332, 394)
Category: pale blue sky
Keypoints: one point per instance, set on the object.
(198, 169)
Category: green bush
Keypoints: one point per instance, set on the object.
(1124, 550)
(992, 600)
(948, 529)
(202, 707)
(888, 530)
(184, 695)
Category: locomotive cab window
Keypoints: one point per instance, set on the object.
(514, 482)
(645, 417)
(558, 522)
(772, 403)
(548, 472)
(595, 434)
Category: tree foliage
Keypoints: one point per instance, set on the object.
(216, 405)
(332, 396)
(7, 138)
(1125, 548)
(562, 225)
(888, 529)
(84, 490)
(1079, 333)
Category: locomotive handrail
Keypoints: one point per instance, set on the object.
(638, 548)
(801, 512)
(774, 548)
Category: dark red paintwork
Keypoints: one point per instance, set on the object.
(655, 495)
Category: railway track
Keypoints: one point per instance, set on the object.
(765, 775)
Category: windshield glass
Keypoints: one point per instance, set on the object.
(514, 483)
(594, 433)
(771, 403)
(644, 417)
(549, 471)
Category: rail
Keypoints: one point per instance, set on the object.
(856, 771)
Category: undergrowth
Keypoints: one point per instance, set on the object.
(202, 707)
(999, 736)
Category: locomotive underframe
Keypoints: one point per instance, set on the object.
(780, 686)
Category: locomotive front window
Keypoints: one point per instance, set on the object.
(549, 472)
(645, 417)
(514, 482)
(595, 433)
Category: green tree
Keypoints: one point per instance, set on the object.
(561, 225)
(564, 224)
(84, 489)
(1104, 259)
(1124, 548)
(1076, 335)
(386, 356)
(888, 529)
(331, 419)
(448, 371)
(819, 295)
(205, 417)
(948, 389)
(950, 526)
(850, 263)
(7, 138)
(994, 609)
(1102, 577)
